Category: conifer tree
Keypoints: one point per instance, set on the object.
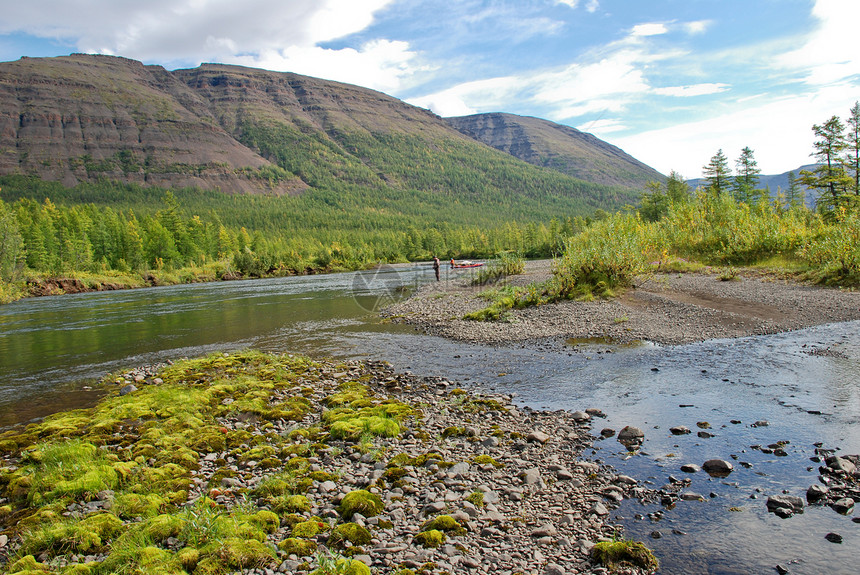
(717, 173)
(747, 178)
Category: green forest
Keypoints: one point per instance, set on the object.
(452, 204)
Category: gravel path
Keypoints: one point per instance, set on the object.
(663, 308)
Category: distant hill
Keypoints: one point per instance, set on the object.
(84, 118)
(562, 148)
(775, 183)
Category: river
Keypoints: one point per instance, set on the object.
(806, 384)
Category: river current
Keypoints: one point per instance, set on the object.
(805, 384)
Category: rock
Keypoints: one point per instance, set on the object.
(607, 432)
(530, 476)
(781, 569)
(760, 423)
(690, 468)
(537, 437)
(837, 463)
(717, 467)
(816, 493)
(790, 502)
(130, 388)
(580, 416)
(679, 430)
(4, 539)
(705, 434)
(691, 496)
(833, 537)
(546, 530)
(599, 509)
(631, 434)
(554, 569)
(843, 506)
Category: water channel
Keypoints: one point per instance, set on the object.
(806, 384)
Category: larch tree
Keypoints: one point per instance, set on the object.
(829, 177)
(747, 177)
(717, 173)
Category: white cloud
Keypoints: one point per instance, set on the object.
(491, 94)
(690, 91)
(592, 6)
(697, 27)
(779, 131)
(262, 33)
(379, 65)
(607, 126)
(829, 53)
(571, 3)
(651, 29)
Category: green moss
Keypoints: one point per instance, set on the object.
(476, 498)
(78, 569)
(188, 557)
(290, 504)
(360, 501)
(245, 553)
(342, 566)
(453, 431)
(28, 564)
(72, 536)
(615, 554)
(265, 520)
(163, 526)
(487, 460)
(430, 539)
(298, 547)
(351, 532)
(131, 505)
(308, 529)
(444, 523)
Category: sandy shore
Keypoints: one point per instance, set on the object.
(663, 308)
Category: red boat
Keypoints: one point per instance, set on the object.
(467, 265)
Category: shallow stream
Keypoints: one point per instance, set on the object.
(805, 384)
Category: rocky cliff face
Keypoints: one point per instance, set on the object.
(82, 118)
(562, 148)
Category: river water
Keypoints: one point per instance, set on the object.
(805, 384)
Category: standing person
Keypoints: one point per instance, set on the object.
(436, 267)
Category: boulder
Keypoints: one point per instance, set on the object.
(631, 434)
(717, 467)
(843, 506)
(816, 493)
(791, 503)
(679, 430)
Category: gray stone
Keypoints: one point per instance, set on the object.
(631, 434)
(679, 430)
(816, 493)
(554, 569)
(130, 388)
(790, 502)
(530, 476)
(546, 530)
(837, 463)
(691, 496)
(690, 468)
(717, 467)
(537, 437)
(843, 506)
(580, 416)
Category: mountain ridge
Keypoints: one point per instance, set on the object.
(558, 147)
(81, 118)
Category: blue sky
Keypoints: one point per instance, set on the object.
(668, 81)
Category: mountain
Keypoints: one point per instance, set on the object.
(87, 118)
(775, 183)
(562, 148)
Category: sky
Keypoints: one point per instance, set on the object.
(668, 81)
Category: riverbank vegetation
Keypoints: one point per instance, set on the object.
(729, 223)
(128, 235)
